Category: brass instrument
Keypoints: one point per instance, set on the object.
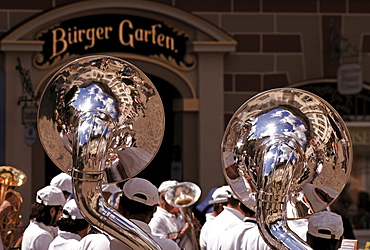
(11, 231)
(104, 117)
(183, 195)
(294, 151)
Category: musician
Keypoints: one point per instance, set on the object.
(325, 231)
(44, 214)
(138, 203)
(232, 215)
(5, 207)
(167, 221)
(234, 237)
(64, 182)
(72, 228)
(108, 191)
(219, 200)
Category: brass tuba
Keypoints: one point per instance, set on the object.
(293, 151)
(183, 195)
(11, 230)
(101, 120)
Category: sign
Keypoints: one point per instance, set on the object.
(30, 135)
(29, 115)
(349, 79)
(349, 244)
(112, 33)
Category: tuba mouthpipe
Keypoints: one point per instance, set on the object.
(97, 212)
(281, 154)
(89, 151)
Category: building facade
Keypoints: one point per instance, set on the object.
(206, 58)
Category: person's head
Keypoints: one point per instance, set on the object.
(109, 189)
(325, 231)
(247, 211)
(232, 199)
(72, 221)
(219, 198)
(162, 189)
(64, 182)
(139, 199)
(48, 206)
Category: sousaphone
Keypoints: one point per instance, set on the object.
(291, 151)
(101, 120)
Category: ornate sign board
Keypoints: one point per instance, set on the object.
(113, 33)
(349, 79)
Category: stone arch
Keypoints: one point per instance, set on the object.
(201, 88)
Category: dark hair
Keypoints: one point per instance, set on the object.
(246, 210)
(72, 226)
(322, 243)
(218, 207)
(134, 207)
(41, 213)
(233, 202)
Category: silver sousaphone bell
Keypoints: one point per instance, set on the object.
(101, 120)
(292, 151)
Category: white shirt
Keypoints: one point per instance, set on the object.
(65, 240)
(233, 238)
(248, 236)
(103, 242)
(210, 234)
(300, 227)
(167, 225)
(37, 236)
(252, 239)
(204, 232)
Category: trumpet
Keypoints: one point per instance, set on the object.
(10, 229)
(183, 195)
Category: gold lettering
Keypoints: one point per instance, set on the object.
(69, 38)
(90, 35)
(57, 40)
(130, 42)
(139, 35)
(107, 29)
(154, 33)
(75, 34)
(170, 43)
(160, 40)
(147, 34)
(99, 33)
(80, 34)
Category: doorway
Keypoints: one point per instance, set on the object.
(159, 169)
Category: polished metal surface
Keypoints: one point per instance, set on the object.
(11, 232)
(11, 176)
(183, 195)
(293, 151)
(101, 120)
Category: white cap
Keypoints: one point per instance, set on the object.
(166, 185)
(111, 188)
(221, 195)
(72, 209)
(62, 181)
(136, 188)
(50, 196)
(326, 225)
